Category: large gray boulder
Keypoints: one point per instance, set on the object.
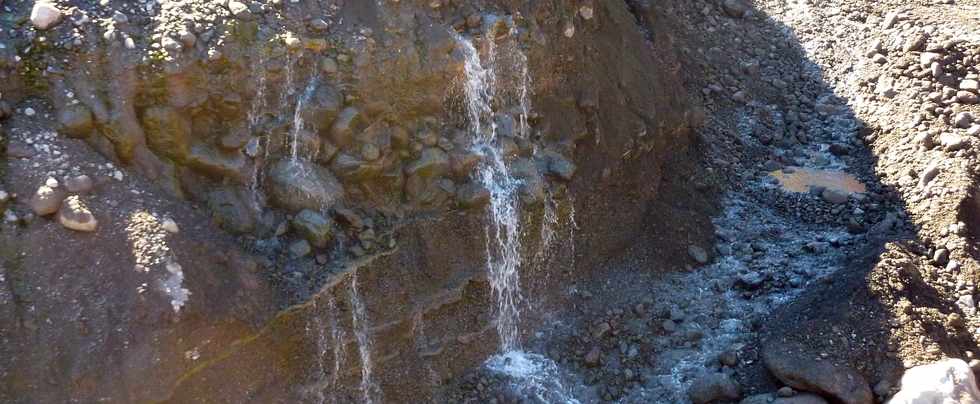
(298, 185)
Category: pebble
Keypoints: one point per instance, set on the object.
(79, 184)
(698, 254)
(170, 226)
(46, 200)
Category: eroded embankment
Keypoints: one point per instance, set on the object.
(320, 136)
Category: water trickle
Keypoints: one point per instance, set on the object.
(298, 123)
(370, 392)
(330, 340)
(254, 118)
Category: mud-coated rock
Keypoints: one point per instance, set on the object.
(232, 210)
(343, 127)
(432, 163)
(323, 107)
(168, 132)
(948, 381)
(802, 372)
(559, 166)
(75, 215)
(217, 164)
(298, 185)
(76, 120)
(313, 227)
(532, 186)
(472, 196)
(353, 169)
(712, 387)
(46, 200)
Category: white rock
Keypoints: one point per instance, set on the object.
(45, 15)
(170, 226)
(586, 12)
(51, 182)
(967, 304)
(947, 382)
(29, 111)
(970, 85)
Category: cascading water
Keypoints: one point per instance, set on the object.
(370, 392)
(504, 81)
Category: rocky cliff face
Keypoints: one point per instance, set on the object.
(330, 139)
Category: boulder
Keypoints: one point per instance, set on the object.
(559, 166)
(949, 381)
(802, 372)
(711, 387)
(298, 185)
(76, 120)
(232, 210)
(313, 227)
(46, 200)
(342, 130)
(432, 163)
(75, 215)
(472, 196)
(218, 164)
(353, 169)
(45, 15)
(323, 106)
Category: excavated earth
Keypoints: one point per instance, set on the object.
(718, 200)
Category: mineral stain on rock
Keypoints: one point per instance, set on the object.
(799, 179)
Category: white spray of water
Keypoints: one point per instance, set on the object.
(370, 391)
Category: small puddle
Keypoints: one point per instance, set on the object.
(798, 179)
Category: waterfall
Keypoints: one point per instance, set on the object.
(503, 231)
(370, 392)
(503, 81)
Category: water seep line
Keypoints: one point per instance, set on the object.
(370, 392)
(298, 123)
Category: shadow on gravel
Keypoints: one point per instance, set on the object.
(789, 114)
